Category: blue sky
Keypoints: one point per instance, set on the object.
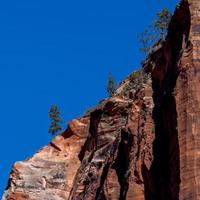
(61, 52)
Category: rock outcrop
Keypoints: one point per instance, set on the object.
(143, 143)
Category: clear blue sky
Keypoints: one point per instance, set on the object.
(60, 52)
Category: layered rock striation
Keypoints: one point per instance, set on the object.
(143, 143)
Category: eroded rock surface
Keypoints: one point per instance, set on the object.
(143, 143)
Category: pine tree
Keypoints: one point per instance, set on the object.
(54, 115)
(111, 85)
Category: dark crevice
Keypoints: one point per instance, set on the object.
(90, 143)
(100, 193)
(55, 146)
(162, 181)
(90, 146)
(165, 170)
(122, 163)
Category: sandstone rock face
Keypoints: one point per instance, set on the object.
(143, 143)
(49, 174)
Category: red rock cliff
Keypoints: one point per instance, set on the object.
(141, 144)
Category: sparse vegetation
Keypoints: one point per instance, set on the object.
(54, 115)
(136, 80)
(135, 76)
(156, 31)
(147, 38)
(162, 22)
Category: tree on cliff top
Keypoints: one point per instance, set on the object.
(162, 22)
(54, 115)
(157, 30)
(111, 85)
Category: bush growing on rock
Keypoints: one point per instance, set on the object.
(156, 31)
(162, 22)
(136, 80)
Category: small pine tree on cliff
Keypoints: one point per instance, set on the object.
(54, 115)
(111, 85)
